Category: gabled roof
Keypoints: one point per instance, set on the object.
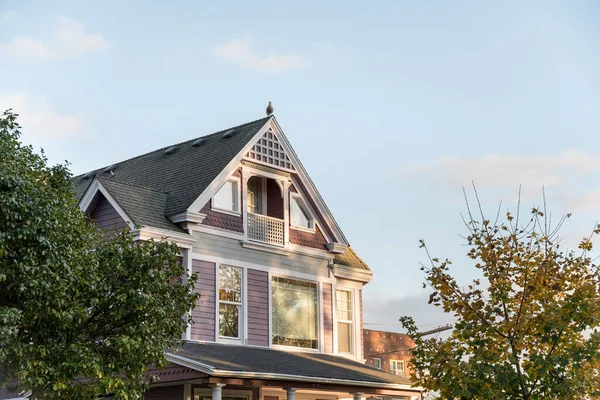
(170, 173)
(267, 363)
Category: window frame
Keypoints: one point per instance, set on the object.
(237, 195)
(379, 365)
(303, 205)
(395, 370)
(318, 314)
(242, 305)
(351, 323)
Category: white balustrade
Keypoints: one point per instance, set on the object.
(265, 229)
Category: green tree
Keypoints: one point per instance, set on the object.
(80, 317)
(528, 330)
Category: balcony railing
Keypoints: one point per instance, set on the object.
(265, 229)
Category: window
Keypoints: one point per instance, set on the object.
(344, 320)
(294, 313)
(299, 214)
(397, 367)
(377, 363)
(230, 301)
(255, 195)
(227, 197)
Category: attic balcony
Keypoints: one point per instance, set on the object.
(266, 214)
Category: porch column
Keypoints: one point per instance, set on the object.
(291, 393)
(357, 395)
(216, 390)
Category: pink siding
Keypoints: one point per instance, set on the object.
(204, 312)
(258, 308)
(315, 240)
(165, 393)
(105, 215)
(327, 318)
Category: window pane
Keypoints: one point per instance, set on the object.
(344, 305)
(228, 320)
(254, 198)
(298, 215)
(344, 337)
(226, 197)
(294, 313)
(230, 284)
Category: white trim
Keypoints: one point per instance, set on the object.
(183, 240)
(227, 171)
(269, 248)
(187, 391)
(337, 247)
(355, 274)
(214, 230)
(321, 317)
(187, 262)
(188, 216)
(90, 193)
(274, 270)
(207, 369)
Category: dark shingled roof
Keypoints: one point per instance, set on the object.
(270, 361)
(351, 259)
(156, 174)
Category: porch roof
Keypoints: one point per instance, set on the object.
(248, 362)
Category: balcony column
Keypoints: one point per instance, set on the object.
(291, 393)
(285, 192)
(245, 176)
(217, 390)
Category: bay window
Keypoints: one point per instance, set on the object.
(230, 301)
(294, 313)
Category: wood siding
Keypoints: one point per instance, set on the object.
(165, 393)
(229, 248)
(258, 308)
(221, 220)
(105, 215)
(314, 239)
(204, 312)
(327, 318)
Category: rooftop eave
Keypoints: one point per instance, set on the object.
(354, 274)
(338, 248)
(183, 240)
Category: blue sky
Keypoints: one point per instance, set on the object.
(391, 106)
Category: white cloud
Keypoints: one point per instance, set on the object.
(508, 170)
(239, 52)
(70, 41)
(39, 121)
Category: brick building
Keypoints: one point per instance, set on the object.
(388, 351)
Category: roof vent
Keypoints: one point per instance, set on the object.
(88, 175)
(229, 134)
(171, 150)
(198, 142)
(110, 169)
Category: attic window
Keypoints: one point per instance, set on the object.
(227, 198)
(300, 217)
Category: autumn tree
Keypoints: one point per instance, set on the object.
(80, 317)
(528, 328)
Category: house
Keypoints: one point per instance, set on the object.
(280, 308)
(388, 351)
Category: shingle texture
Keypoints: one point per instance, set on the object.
(155, 185)
(302, 364)
(351, 259)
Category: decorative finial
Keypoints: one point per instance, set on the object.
(270, 109)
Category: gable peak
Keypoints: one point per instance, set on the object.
(269, 150)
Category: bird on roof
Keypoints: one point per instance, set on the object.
(270, 109)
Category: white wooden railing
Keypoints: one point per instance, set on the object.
(265, 229)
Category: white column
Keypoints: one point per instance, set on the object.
(216, 390)
(286, 211)
(357, 395)
(291, 393)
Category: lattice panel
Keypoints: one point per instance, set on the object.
(265, 229)
(268, 150)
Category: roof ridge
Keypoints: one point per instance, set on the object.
(178, 144)
(103, 178)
